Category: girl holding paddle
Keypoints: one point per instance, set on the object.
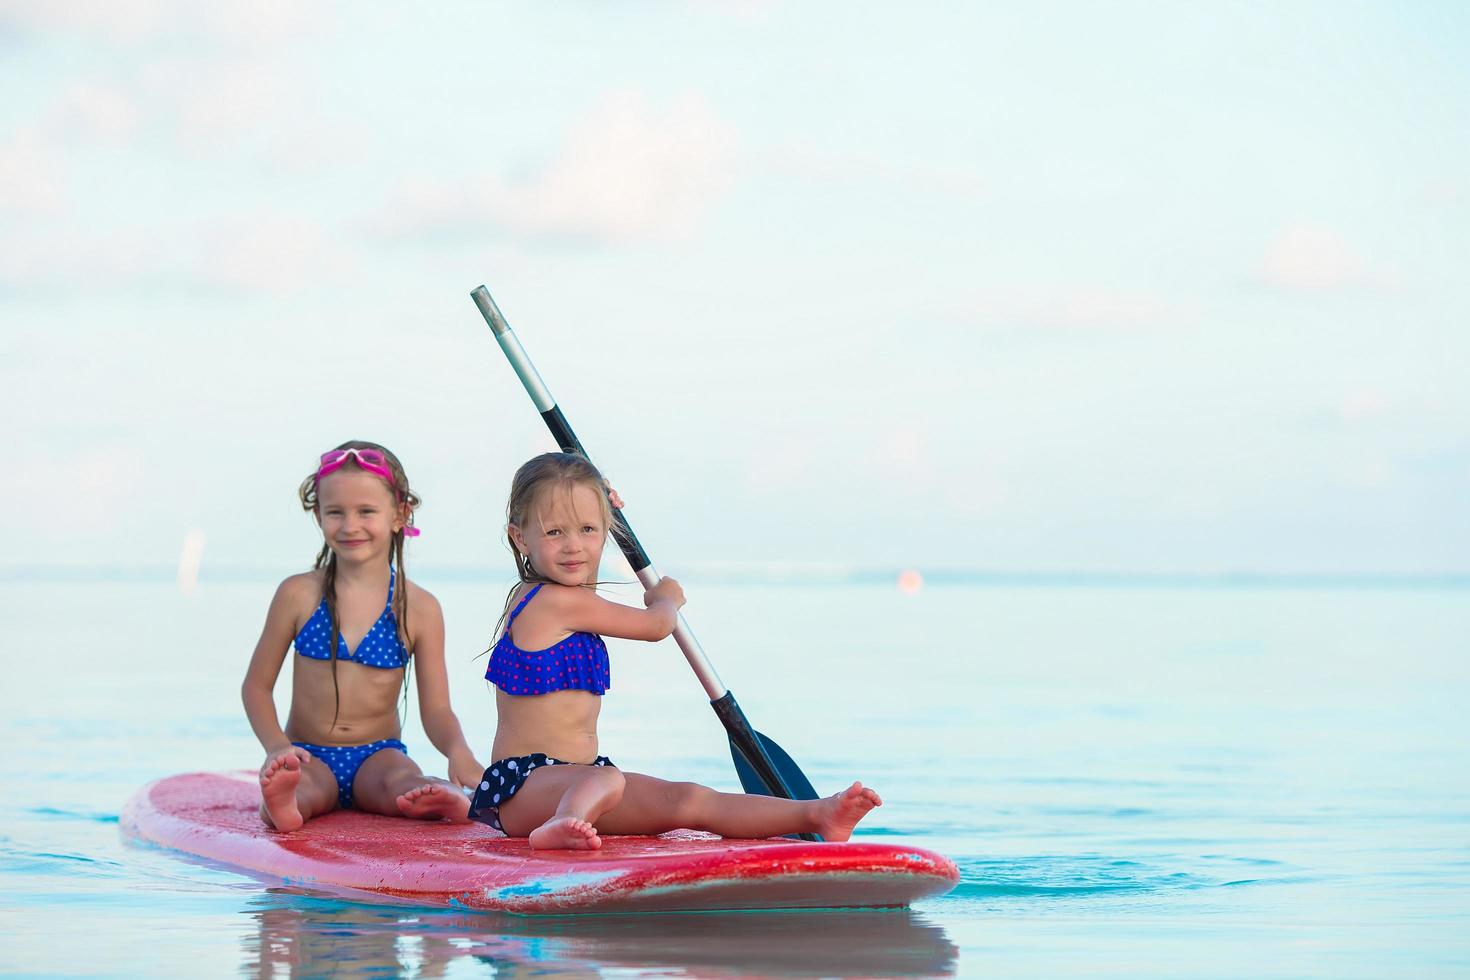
(550, 668)
(355, 621)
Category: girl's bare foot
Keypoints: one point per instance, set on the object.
(434, 801)
(278, 792)
(841, 813)
(565, 833)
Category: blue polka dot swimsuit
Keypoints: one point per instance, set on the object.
(345, 760)
(578, 663)
(382, 648)
(504, 779)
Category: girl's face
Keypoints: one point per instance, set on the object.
(357, 515)
(565, 535)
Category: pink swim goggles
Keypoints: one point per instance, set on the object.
(372, 461)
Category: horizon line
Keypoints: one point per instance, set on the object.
(764, 573)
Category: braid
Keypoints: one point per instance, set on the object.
(327, 560)
(400, 614)
(400, 595)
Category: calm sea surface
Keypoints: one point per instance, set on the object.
(1134, 781)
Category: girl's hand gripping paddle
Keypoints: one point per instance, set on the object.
(764, 767)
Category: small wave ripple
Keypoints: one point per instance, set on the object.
(1072, 876)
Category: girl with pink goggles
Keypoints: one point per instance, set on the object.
(371, 461)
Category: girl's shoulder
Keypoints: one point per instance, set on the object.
(420, 600)
(552, 594)
(297, 597)
(558, 601)
(303, 586)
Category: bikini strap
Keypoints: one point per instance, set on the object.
(392, 579)
(522, 605)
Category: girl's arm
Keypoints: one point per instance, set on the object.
(265, 667)
(584, 611)
(440, 722)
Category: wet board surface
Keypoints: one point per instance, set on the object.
(214, 816)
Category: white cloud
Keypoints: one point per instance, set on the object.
(96, 111)
(33, 162)
(1073, 308)
(1362, 405)
(210, 106)
(143, 20)
(279, 253)
(32, 177)
(1310, 257)
(212, 102)
(625, 171)
(40, 261)
(120, 19)
(259, 21)
(741, 9)
(1447, 191)
(75, 495)
(904, 455)
(822, 164)
(1368, 471)
(276, 253)
(311, 142)
(781, 462)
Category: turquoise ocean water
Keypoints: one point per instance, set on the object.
(1145, 780)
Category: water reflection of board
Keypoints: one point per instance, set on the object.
(213, 816)
(301, 935)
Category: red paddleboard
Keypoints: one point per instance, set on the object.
(215, 816)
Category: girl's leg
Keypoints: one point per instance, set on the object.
(391, 783)
(292, 791)
(557, 805)
(653, 806)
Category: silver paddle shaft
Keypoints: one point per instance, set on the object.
(693, 652)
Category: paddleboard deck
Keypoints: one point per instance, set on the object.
(215, 816)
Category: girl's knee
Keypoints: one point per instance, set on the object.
(613, 783)
(384, 777)
(689, 802)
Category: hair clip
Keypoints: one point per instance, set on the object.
(411, 531)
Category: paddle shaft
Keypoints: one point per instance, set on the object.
(730, 714)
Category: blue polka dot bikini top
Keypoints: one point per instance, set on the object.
(578, 663)
(381, 647)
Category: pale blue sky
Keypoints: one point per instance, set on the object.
(1071, 286)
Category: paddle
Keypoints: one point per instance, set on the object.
(764, 767)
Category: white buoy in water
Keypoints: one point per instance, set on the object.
(190, 557)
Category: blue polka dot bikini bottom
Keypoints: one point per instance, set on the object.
(345, 760)
(505, 777)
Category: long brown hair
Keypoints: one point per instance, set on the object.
(326, 560)
(536, 478)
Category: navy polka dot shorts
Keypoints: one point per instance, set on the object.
(504, 778)
(345, 760)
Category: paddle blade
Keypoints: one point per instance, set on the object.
(791, 774)
(764, 767)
